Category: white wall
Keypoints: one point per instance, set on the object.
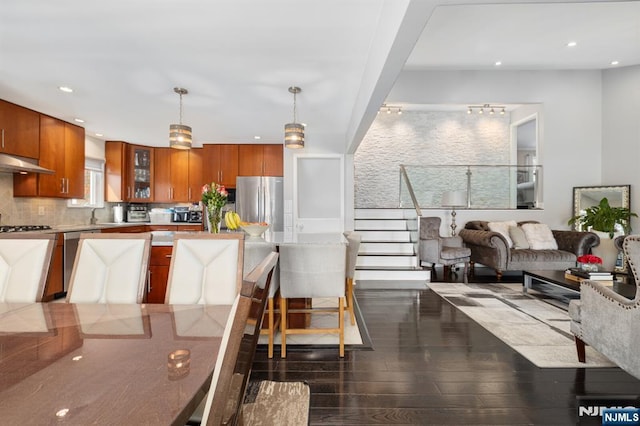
(621, 132)
(571, 131)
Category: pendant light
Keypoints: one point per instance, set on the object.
(180, 134)
(294, 132)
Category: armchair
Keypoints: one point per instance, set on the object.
(608, 321)
(445, 251)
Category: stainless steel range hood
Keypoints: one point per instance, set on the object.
(12, 164)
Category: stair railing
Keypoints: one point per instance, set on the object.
(407, 182)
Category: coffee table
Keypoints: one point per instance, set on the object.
(553, 284)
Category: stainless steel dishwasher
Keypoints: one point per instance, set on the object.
(71, 240)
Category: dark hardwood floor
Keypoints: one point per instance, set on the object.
(431, 364)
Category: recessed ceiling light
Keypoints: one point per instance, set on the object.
(99, 134)
(257, 137)
(65, 89)
(78, 120)
(572, 44)
(498, 63)
(615, 63)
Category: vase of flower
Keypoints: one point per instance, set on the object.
(214, 197)
(589, 263)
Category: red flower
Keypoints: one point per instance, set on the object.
(589, 258)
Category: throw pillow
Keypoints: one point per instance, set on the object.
(539, 236)
(502, 228)
(518, 237)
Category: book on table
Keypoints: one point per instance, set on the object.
(604, 278)
(591, 275)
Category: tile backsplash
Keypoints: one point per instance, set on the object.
(42, 211)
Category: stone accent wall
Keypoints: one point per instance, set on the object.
(428, 138)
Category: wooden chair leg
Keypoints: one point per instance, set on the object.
(349, 304)
(271, 325)
(341, 324)
(472, 268)
(283, 327)
(580, 349)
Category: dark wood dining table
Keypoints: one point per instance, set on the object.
(81, 364)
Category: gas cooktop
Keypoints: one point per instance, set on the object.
(23, 228)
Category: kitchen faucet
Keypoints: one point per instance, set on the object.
(93, 220)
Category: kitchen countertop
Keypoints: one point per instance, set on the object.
(165, 238)
(109, 225)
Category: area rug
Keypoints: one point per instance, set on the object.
(355, 336)
(537, 330)
(269, 403)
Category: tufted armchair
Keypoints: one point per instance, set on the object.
(438, 250)
(608, 321)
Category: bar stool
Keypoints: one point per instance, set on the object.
(354, 240)
(308, 271)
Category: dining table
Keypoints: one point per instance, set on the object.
(80, 364)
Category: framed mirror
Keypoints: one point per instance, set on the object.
(589, 196)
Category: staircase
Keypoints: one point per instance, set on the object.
(388, 251)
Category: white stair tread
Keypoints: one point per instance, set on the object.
(385, 236)
(380, 225)
(420, 274)
(387, 248)
(385, 213)
(371, 261)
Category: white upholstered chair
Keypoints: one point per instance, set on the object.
(308, 271)
(254, 253)
(354, 240)
(205, 268)
(25, 260)
(110, 268)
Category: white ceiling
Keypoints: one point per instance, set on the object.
(238, 57)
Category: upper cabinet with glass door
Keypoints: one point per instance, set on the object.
(140, 180)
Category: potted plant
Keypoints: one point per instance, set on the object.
(606, 222)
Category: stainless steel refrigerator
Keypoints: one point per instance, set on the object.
(260, 199)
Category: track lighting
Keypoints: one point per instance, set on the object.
(490, 108)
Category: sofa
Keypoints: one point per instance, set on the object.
(499, 252)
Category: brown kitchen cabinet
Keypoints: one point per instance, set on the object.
(115, 168)
(220, 164)
(260, 160)
(172, 228)
(128, 172)
(62, 150)
(196, 180)
(19, 130)
(139, 173)
(54, 283)
(171, 178)
(158, 273)
(126, 229)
